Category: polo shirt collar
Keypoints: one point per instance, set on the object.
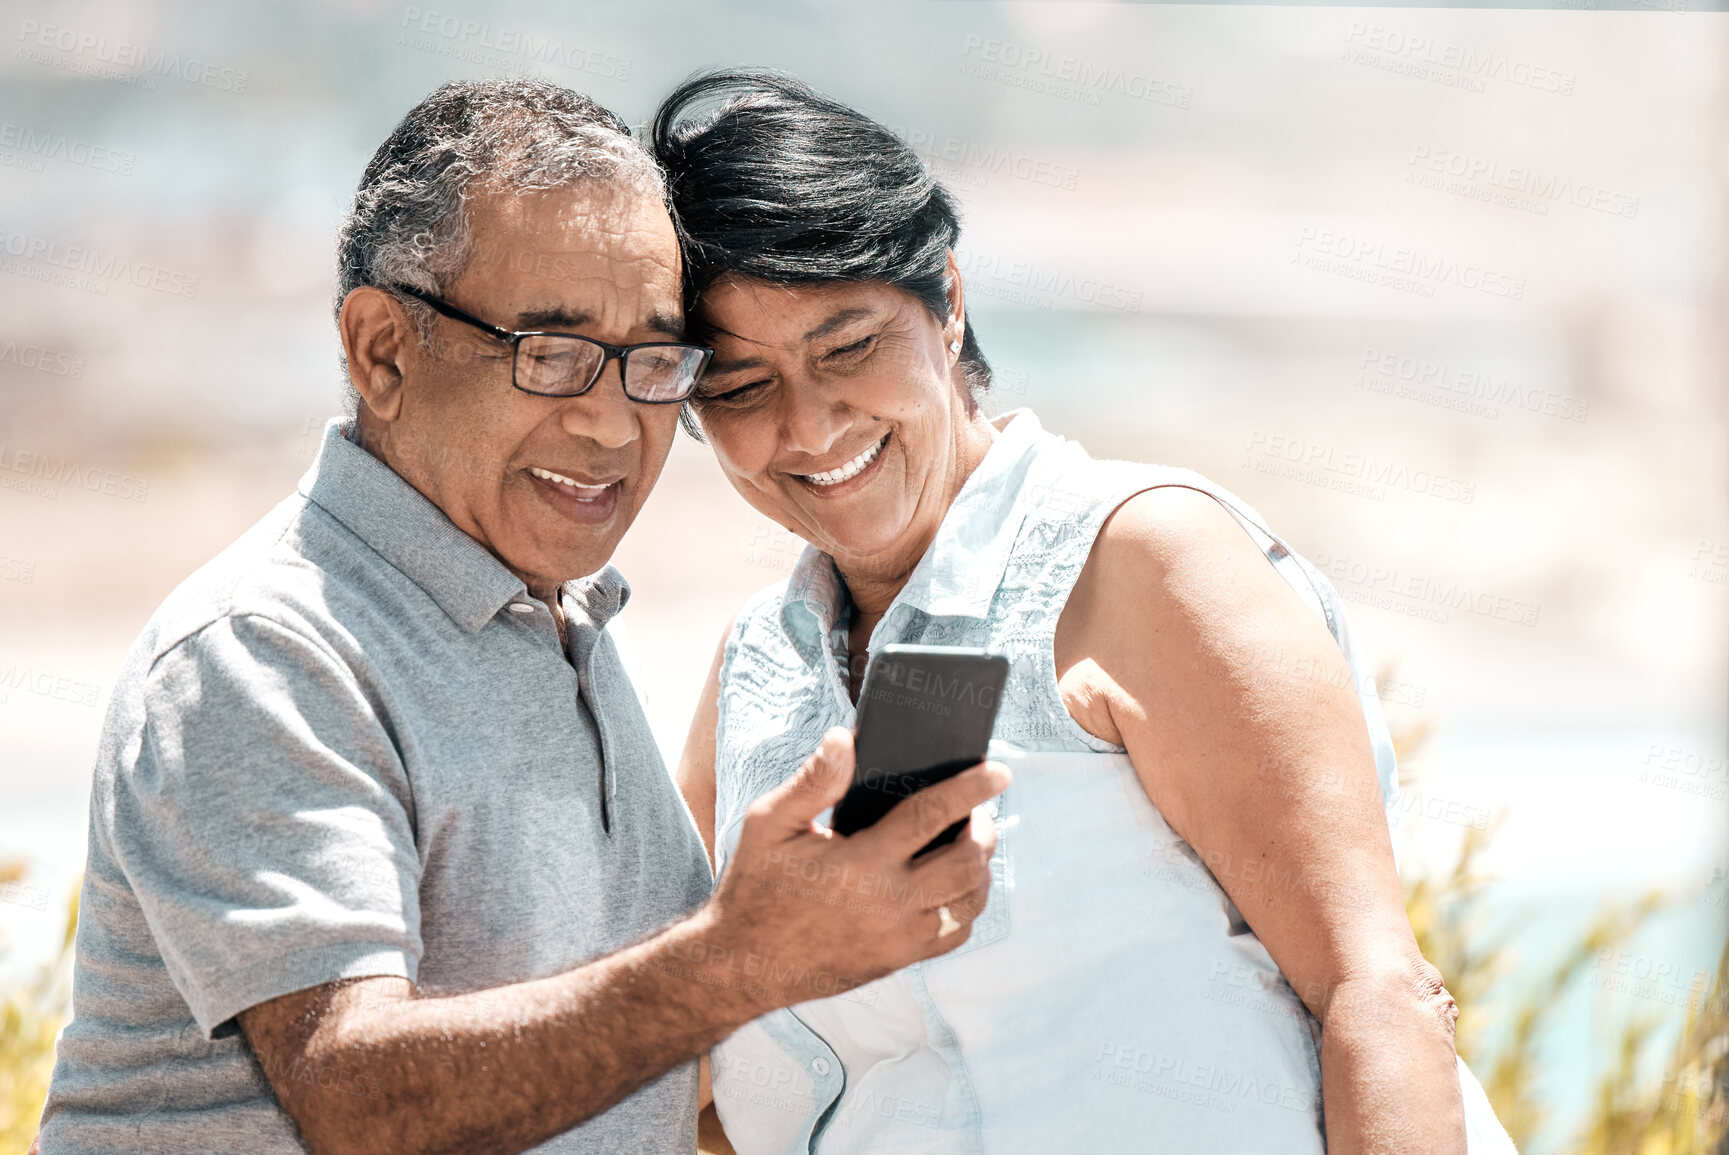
(960, 572)
(406, 529)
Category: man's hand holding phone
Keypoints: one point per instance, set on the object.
(853, 908)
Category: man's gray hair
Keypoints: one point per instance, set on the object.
(409, 226)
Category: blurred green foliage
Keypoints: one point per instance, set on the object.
(31, 1014)
(1682, 1112)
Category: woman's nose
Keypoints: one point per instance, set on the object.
(812, 419)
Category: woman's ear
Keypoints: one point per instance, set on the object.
(955, 328)
(378, 338)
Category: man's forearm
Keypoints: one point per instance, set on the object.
(364, 1065)
(506, 1068)
(1389, 1078)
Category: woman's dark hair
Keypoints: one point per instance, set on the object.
(771, 180)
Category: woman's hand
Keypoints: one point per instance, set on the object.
(1182, 643)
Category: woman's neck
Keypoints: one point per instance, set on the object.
(873, 592)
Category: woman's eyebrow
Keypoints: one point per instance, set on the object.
(716, 368)
(838, 320)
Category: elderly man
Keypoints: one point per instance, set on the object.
(382, 854)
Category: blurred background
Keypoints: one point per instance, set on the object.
(1441, 292)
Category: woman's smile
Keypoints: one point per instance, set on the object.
(848, 477)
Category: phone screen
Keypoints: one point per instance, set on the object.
(925, 713)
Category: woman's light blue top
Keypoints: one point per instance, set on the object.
(1111, 998)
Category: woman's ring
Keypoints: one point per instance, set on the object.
(947, 924)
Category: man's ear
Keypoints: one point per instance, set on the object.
(378, 338)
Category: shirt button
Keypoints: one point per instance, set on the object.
(819, 1065)
(521, 608)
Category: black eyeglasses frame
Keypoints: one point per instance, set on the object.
(610, 352)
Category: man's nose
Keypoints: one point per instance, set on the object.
(604, 415)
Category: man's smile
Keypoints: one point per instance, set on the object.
(589, 500)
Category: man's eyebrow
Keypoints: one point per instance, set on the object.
(560, 319)
(669, 324)
(552, 317)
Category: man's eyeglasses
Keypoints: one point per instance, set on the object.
(568, 364)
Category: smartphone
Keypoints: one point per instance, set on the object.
(925, 713)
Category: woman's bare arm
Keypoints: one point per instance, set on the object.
(1240, 715)
(695, 773)
(695, 779)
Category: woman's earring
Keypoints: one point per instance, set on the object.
(954, 346)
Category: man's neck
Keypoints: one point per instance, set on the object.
(548, 596)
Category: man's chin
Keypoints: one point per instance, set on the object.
(556, 543)
(547, 559)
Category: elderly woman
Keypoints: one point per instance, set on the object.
(1195, 939)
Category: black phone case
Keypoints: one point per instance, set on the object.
(925, 713)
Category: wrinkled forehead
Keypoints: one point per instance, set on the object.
(737, 309)
(603, 250)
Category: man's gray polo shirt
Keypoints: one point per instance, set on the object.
(350, 745)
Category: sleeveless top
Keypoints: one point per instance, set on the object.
(1111, 997)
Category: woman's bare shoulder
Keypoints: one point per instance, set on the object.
(1177, 551)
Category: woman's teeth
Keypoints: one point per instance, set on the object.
(850, 469)
(549, 475)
